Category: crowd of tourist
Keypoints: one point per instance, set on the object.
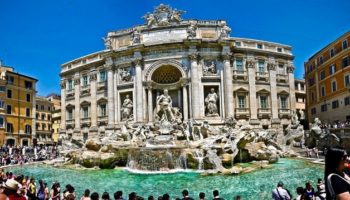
(19, 155)
(336, 124)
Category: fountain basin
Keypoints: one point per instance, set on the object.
(254, 185)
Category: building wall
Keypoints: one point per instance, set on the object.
(44, 109)
(22, 122)
(318, 69)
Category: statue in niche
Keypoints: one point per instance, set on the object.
(164, 107)
(225, 31)
(136, 36)
(127, 108)
(302, 115)
(125, 75)
(191, 30)
(210, 104)
(209, 68)
(108, 42)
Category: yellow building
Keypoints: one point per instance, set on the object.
(17, 100)
(327, 74)
(300, 95)
(56, 115)
(43, 117)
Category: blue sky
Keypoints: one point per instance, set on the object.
(37, 36)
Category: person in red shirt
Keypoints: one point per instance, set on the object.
(10, 191)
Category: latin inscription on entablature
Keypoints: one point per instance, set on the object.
(123, 41)
(208, 34)
(164, 36)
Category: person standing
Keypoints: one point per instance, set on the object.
(279, 193)
(337, 182)
(201, 196)
(216, 195)
(186, 195)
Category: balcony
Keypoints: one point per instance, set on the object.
(242, 113)
(262, 76)
(86, 121)
(69, 122)
(102, 120)
(240, 75)
(70, 93)
(264, 112)
(85, 90)
(282, 78)
(284, 113)
(102, 85)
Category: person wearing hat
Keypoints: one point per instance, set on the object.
(279, 193)
(10, 191)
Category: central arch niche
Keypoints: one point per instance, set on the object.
(166, 74)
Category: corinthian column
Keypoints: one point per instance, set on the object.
(63, 106)
(226, 54)
(77, 102)
(110, 95)
(252, 91)
(138, 87)
(93, 78)
(195, 80)
(273, 85)
(292, 99)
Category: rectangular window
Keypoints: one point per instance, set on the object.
(302, 86)
(321, 60)
(28, 98)
(28, 84)
(259, 46)
(323, 91)
(345, 44)
(2, 88)
(9, 94)
(2, 121)
(10, 80)
(28, 112)
(334, 86)
(103, 110)
(43, 116)
(345, 62)
(103, 76)
(9, 128)
(322, 75)
(70, 114)
(347, 101)
(85, 80)
(279, 49)
(332, 69)
(312, 96)
(28, 129)
(313, 111)
(261, 66)
(281, 68)
(331, 52)
(239, 65)
(284, 102)
(70, 84)
(347, 80)
(85, 112)
(263, 102)
(335, 104)
(2, 104)
(42, 107)
(237, 44)
(9, 109)
(241, 101)
(324, 108)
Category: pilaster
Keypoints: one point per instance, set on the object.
(252, 89)
(93, 114)
(138, 86)
(195, 83)
(77, 102)
(229, 105)
(290, 70)
(110, 96)
(63, 105)
(273, 90)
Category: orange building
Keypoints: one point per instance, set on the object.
(327, 77)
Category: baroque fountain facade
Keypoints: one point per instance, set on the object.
(176, 93)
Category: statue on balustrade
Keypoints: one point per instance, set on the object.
(211, 104)
(127, 108)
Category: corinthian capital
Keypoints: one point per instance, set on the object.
(250, 63)
(290, 69)
(193, 56)
(63, 84)
(271, 66)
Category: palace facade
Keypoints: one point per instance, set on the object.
(192, 68)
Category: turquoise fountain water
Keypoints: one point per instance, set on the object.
(255, 185)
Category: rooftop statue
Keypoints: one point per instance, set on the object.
(163, 15)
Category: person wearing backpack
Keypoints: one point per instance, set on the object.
(337, 182)
(41, 191)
